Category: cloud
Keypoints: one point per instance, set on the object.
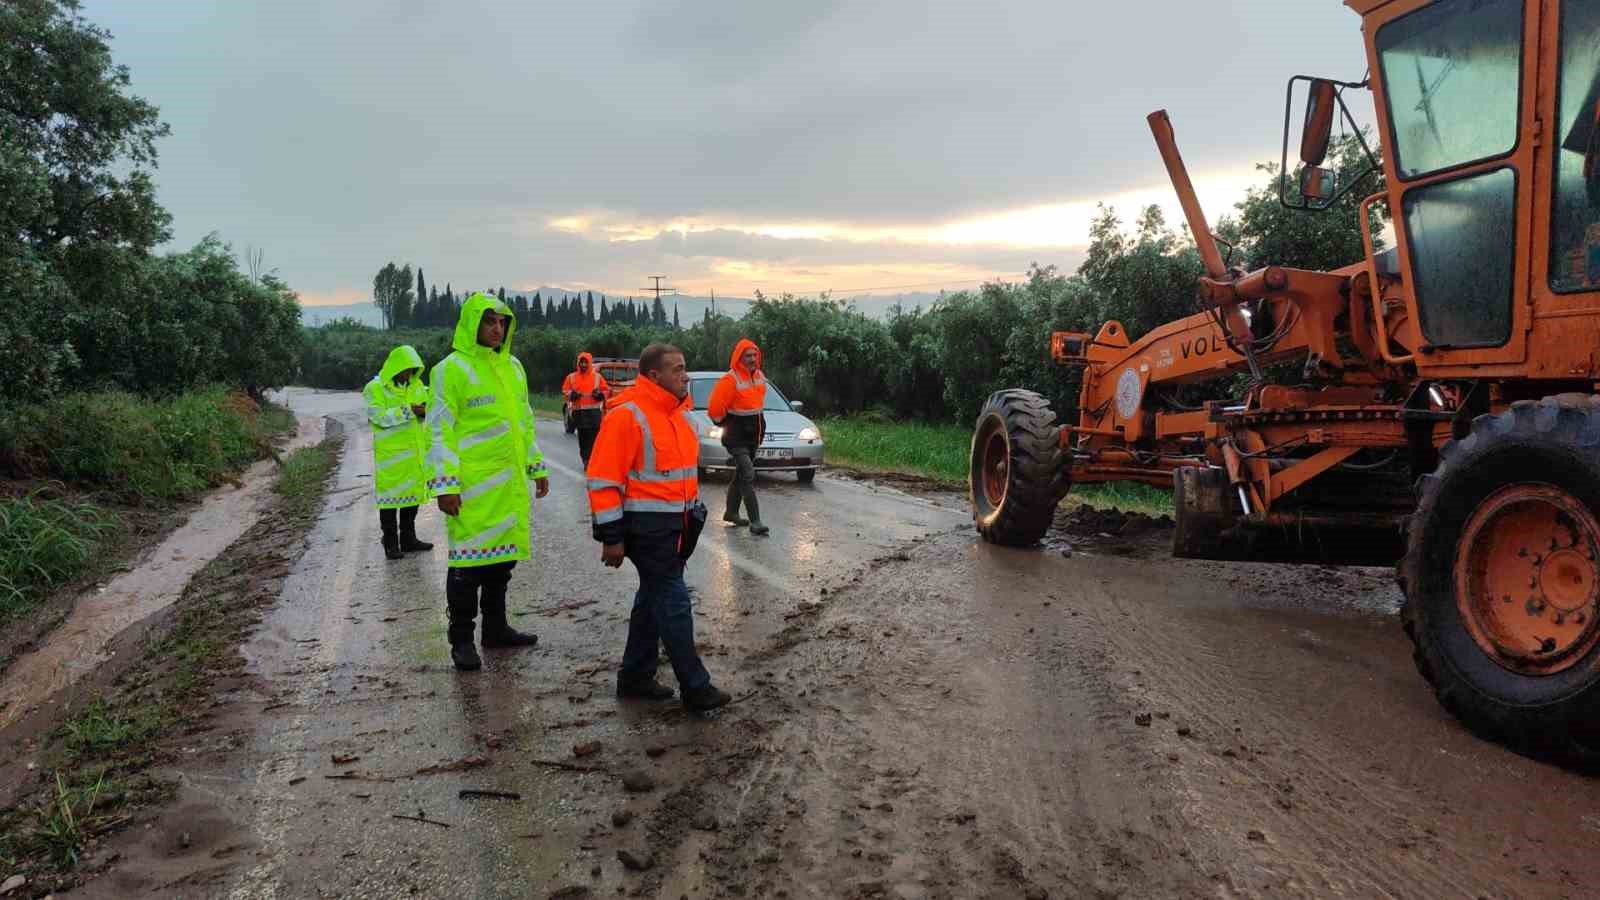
(751, 142)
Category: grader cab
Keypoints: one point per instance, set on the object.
(1441, 395)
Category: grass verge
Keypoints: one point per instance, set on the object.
(97, 475)
(44, 543)
(940, 453)
(97, 770)
(546, 406)
(138, 449)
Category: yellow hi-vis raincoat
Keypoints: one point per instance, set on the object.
(484, 447)
(399, 441)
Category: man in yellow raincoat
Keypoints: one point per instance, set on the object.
(483, 455)
(396, 404)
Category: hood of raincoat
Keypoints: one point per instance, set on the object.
(586, 356)
(400, 359)
(738, 351)
(466, 337)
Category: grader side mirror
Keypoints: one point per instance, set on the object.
(1318, 127)
(1317, 186)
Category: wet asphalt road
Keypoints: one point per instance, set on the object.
(921, 715)
(353, 663)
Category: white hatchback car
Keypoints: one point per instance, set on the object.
(792, 442)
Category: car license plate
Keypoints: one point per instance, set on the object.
(774, 453)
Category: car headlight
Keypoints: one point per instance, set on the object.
(809, 434)
(715, 433)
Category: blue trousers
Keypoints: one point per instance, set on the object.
(662, 614)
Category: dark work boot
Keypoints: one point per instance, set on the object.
(497, 632)
(391, 537)
(639, 689)
(465, 657)
(730, 512)
(461, 595)
(706, 699)
(408, 532)
(754, 506)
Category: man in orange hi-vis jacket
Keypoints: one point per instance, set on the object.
(735, 405)
(644, 495)
(586, 392)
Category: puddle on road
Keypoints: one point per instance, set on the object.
(81, 642)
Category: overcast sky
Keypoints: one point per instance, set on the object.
(728, 145)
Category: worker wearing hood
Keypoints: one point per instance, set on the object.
(483, 455)
(396, 404)
(735, 405)
(585, 391)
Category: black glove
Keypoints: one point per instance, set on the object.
(573, 396)
(598, 394)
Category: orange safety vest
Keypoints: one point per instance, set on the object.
(646, 457)
(741, 391)
(585, 383)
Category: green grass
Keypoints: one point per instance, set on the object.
(914, 448)
(138, 448)
(941, 452)
(547, 405)
(67, 822)
(304, 475)
(100, 730)
(45, 543)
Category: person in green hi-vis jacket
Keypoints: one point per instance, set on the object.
(396, 403)
(483, 455)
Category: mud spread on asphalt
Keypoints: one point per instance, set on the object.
(919, 715)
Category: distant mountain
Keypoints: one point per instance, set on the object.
(365, 313)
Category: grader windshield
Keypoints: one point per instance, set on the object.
(1452, 79)
(1452, 74)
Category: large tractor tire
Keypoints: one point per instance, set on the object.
(1502, 578)
(1018, 472)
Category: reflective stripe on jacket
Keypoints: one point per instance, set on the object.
(586, 383)
(399, 440)
(484, 447)
(644, 463)
(737, 400)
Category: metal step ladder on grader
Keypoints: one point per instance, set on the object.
(1442, 405)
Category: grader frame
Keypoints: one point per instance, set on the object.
(1465, 360)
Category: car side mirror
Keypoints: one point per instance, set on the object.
(1318, 127)
(796, 405)
(1317, 186)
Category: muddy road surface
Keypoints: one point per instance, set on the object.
(918, 715)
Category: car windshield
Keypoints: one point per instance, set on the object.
(619, 373)
(700, 390)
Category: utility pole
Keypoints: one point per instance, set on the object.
(657, 289)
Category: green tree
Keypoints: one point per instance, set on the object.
(76, 149)
(1271, 234)
(392, 294)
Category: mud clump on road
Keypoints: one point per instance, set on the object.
(1112, 531)
(1089, 521)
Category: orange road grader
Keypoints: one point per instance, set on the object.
(1442, 391)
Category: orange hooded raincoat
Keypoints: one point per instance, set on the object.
(737, 400)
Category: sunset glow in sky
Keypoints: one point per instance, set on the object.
(729, 145)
